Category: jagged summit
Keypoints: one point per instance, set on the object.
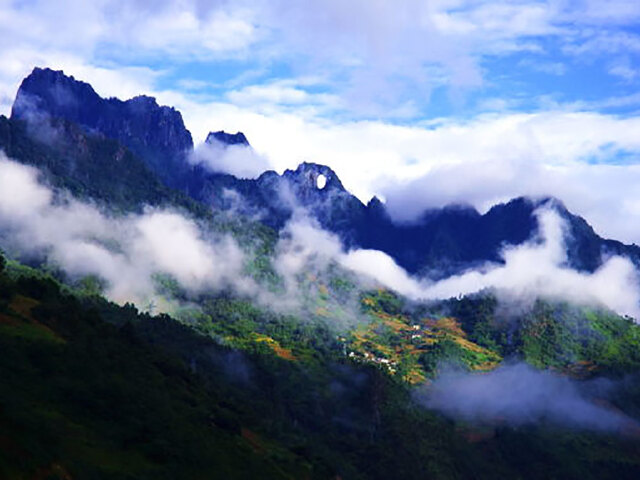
(315, 187)
(225, 138)
(153, 132)
(59, 95)
(306, 176)
(52, 92)
(375, 202)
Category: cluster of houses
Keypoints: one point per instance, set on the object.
(390, 365)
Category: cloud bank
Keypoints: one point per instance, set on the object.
(373, 53)
(132, 253)
(588, 160)
(534, 269)
(126, 252)
(238, 160)
(519, 395)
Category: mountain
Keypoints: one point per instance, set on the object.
(440, 243)
(236, 383)
(155, 133)
(455, 238)
(225, 138)
(85, 398)
(89, 165)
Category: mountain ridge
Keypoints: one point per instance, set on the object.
(439, 243)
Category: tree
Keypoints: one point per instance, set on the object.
(3, 262)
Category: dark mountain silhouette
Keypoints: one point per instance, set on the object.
(155, 133)
(221, 136)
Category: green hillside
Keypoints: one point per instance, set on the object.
(94, 390)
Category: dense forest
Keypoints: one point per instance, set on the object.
(94, 390)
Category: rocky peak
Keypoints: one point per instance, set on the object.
(225, 138)
(51, 92)
(155, 133)
(375, 206)
(522, 210)
(314, 177)
(144, 101)
(375, 202)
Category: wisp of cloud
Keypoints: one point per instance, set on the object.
(126, 251)
(518, 394)
(239, 160)
(534, 269)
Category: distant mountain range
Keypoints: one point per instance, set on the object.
(439, 243)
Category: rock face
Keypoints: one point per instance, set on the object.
(442, 242)
(227, 138)
(155, 133)
(89, 166)
(280, 195)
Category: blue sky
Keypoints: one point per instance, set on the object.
(420, 102)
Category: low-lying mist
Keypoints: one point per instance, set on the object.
(238, 160)
(128, 251)
(517, 395)
(534, 269)
(124, 251)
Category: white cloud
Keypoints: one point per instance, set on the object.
(545, 66)
(190, 29)
(129, 251)
(20, 193)
(612, 12)
(487, 159)
(591, 44)
(126, 252)
(181, 29)
(238, 160)
(534, 269)
(378, 55)
(385, 58)
(381, 267)
(624, 69)
(531, 270)
(500, 20)
(275, 96)
(305, 246)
